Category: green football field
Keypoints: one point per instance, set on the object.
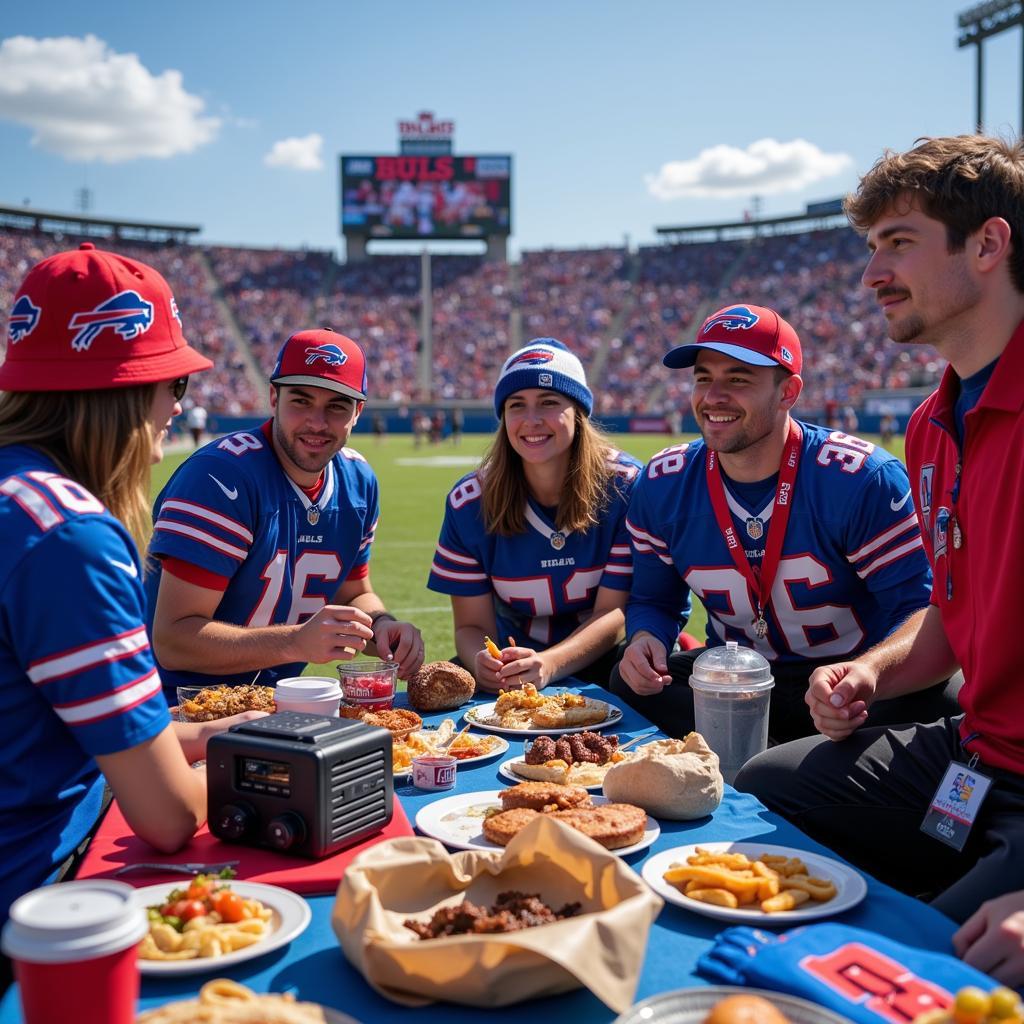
(413, 484)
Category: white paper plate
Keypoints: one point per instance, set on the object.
(291, 917)
(691, 1005)
(474, 714)
(458, 822)
(500, 748)
(852, 887)
(506, 772)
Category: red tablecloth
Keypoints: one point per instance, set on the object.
(114, 845)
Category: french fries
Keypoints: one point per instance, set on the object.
(733, 880)
(491, 647)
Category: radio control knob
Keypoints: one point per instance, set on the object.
(285, 831)
(234, 821)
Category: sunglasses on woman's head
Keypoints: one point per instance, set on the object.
(178, 388)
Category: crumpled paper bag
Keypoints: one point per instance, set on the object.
(602, 948)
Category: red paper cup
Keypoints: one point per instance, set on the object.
(74, 948)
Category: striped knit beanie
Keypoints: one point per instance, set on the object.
(543, 363)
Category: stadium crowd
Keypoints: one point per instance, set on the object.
(620, 311)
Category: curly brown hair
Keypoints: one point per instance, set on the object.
(583, 499)
(959, 180)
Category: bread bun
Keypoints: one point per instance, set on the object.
(440, 685)
(745, 1010)
(674, 779)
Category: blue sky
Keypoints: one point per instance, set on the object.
(593, 99)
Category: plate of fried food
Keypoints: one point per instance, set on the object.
(528, 712)
(726, 1004)
(211, 924)
(489, 820)
(753, 883)
(466, 747)
(580, 759)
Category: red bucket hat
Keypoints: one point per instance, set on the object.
(88, 319)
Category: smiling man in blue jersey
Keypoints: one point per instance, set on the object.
(261, 540)
(801, 541)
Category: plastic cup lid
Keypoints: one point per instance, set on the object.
(74, 921)
(308, 688)
(721, 669)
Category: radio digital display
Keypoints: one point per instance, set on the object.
(265, 776)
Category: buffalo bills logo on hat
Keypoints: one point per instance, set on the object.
(127, 313)
(736, 318)
(24, 317)
(534, 356)
(332, 355)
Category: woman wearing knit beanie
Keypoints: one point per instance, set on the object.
(533, 549)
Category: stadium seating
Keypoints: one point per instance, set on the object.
(619, 311)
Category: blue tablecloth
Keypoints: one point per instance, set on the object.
(314, 968)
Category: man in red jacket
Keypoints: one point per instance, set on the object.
(938, 808)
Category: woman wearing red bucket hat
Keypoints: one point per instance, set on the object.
(95, 368)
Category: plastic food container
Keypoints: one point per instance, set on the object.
(369, 685)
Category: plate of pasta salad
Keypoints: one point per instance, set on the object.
(211, 923)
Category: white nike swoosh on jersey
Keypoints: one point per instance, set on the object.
(231, 492)
(897, 505)
(129, 567)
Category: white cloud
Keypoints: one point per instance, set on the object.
(85, 102)
(764, 167)
(298, 154)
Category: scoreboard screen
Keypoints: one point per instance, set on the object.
(426, 196)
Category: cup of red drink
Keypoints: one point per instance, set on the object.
(75, 952)
(368, 685)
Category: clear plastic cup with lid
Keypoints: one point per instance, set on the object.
(731, 693)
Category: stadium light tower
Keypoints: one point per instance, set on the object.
(979, 23)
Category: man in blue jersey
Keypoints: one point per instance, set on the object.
(800, 541)
(261, 543)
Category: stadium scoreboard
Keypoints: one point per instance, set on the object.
(422, 196)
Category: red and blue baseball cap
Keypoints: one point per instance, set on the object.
(752, 334)
(88, 319)
(322, 359)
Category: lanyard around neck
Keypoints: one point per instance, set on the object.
(759, 579)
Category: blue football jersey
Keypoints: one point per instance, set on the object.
(77, 676)
(230, 509)
(852, 567)
(544, 583)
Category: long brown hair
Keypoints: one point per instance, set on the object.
(101, 439)
(584, 496)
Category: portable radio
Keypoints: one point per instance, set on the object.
(302, 784)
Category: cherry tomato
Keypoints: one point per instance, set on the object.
(187, 909)
(199, 889)
(229, 905)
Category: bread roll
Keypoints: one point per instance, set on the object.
(745, 1010)
(440, 685)
(674, 779)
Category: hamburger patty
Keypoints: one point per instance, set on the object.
(611, 825)
(501, 828)
(541, 795)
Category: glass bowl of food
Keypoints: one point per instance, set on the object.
(208, 703)
(368, 685)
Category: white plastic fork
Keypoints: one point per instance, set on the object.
(181, 869)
